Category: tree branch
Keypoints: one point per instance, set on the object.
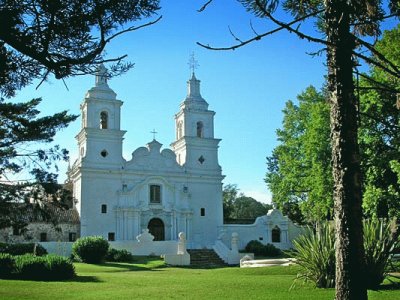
(262, 35)
(377, 64)
(377, 54)
(204, 6)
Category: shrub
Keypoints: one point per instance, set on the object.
(90, 249)
(25, 248)
(259, 249)
(119, 255)
(315, 254)
(380, 239)
(60, 267)
(7, 265)
(33, 267)
(49, 267)
(271, 250)
(254, 247)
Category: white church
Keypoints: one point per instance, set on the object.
(163, 191)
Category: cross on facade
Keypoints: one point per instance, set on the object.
(154, 133)
(193, 64)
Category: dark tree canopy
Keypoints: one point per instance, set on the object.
(62, 37)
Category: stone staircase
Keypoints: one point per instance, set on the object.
(205, 258)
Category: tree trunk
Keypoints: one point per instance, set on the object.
(345, 154)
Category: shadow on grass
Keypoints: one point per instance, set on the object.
(206, 267)
(145, 263)
(85, 279)
(391, 285)
(74, 279)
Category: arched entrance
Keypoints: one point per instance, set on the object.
(156, 228)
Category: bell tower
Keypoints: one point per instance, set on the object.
(195, 145)
(100, 138)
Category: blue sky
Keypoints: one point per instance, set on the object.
(247, 88)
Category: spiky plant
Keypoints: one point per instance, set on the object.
(315, 254)
(380, 238)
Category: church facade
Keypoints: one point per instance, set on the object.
(166, 191)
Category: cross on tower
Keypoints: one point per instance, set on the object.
(154, 133)
(193, 64)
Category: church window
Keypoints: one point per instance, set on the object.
(104, 208)
(103, 120)
(202, 212)
(179, 130)
(43, 237)
(276, 235)
(72, 236)
(111, 236)
(155, 193)
(83, 120)
(104, 153)
(200, 129)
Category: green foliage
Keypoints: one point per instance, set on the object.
(60, 268)
(33, 267)
(7, 265)
(315, 254)
(380, 239)
(119, 255)
(24, 248)
(49, 267)
(379, 134)
(90, 249)
(260, 249)
(299, 173)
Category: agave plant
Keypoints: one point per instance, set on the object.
(380, 238)
(315, 254)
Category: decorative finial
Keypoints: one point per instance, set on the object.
(154, 132)
(193, 63)
(101, 75)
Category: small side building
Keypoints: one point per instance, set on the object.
(62, 226)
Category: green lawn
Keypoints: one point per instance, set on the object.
(151, 279)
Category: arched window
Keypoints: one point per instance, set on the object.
(83, 119)
(199, 129)
(179, 130)
(103, 120)
(276, 234)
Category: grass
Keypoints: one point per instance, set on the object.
(149, 278)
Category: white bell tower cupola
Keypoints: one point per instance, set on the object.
(195, 145)
(100, 138)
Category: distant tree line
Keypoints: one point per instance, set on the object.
(239, 208)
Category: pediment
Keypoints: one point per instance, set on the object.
(151, 158)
